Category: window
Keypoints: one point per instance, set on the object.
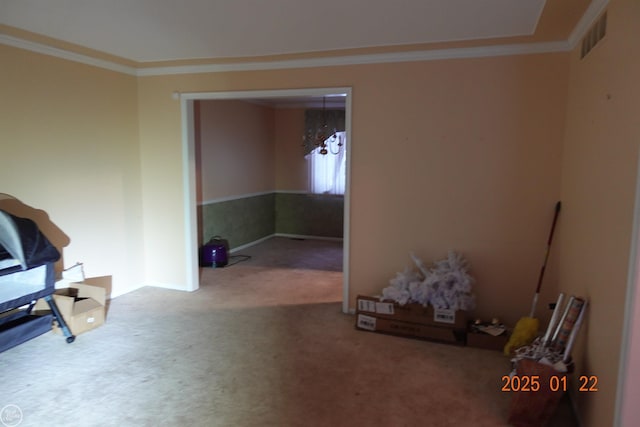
(327, 172)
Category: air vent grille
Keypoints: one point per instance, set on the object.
(594, 35)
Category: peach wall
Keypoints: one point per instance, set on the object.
(236, 149)
(458, 154)
(292, 172)
(599, 166)
(236, 129)
(70, 147)
(461, 155)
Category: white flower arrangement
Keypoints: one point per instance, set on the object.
(446, 285)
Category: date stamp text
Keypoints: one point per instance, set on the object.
(534, 383)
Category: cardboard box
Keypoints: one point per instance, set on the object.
(486, 341)
(411, 330)
(410, 320)
(82, 306)
(411, 312)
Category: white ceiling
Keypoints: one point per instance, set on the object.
(162, 30)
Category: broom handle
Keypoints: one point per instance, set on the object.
(546, 257)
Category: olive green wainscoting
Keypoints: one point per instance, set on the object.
(244, 220)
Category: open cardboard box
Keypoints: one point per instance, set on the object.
(82, 306)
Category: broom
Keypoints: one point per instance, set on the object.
(526, 329)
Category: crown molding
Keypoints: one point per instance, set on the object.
(593, 11)
(65, 54)
(425, 55)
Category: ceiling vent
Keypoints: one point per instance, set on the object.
(594, 35)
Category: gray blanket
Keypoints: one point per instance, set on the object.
(21, 240)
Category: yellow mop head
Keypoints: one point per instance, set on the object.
(523, 334)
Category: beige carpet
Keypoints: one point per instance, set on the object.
(261, 343)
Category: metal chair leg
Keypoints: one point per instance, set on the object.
(58, 316)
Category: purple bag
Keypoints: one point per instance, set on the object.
(214, 253)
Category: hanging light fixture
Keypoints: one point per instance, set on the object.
(323, 138)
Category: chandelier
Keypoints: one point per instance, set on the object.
(322, 137)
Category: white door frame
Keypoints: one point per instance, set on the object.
(189, 170)
(626, 408)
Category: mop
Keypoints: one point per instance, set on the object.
(526, 329)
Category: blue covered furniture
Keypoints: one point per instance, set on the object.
(26, 274)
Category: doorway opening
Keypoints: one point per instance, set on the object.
(190, 178)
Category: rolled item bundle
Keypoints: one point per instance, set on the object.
(569, 323)
(574, 333)
(554, 338)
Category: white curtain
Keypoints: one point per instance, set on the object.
(327, 173)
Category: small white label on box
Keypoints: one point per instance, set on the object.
(91, 319)
(366, 322)
(384, 308)
(444, 315)
(366, 305)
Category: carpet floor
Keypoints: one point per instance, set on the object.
(261, 343)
